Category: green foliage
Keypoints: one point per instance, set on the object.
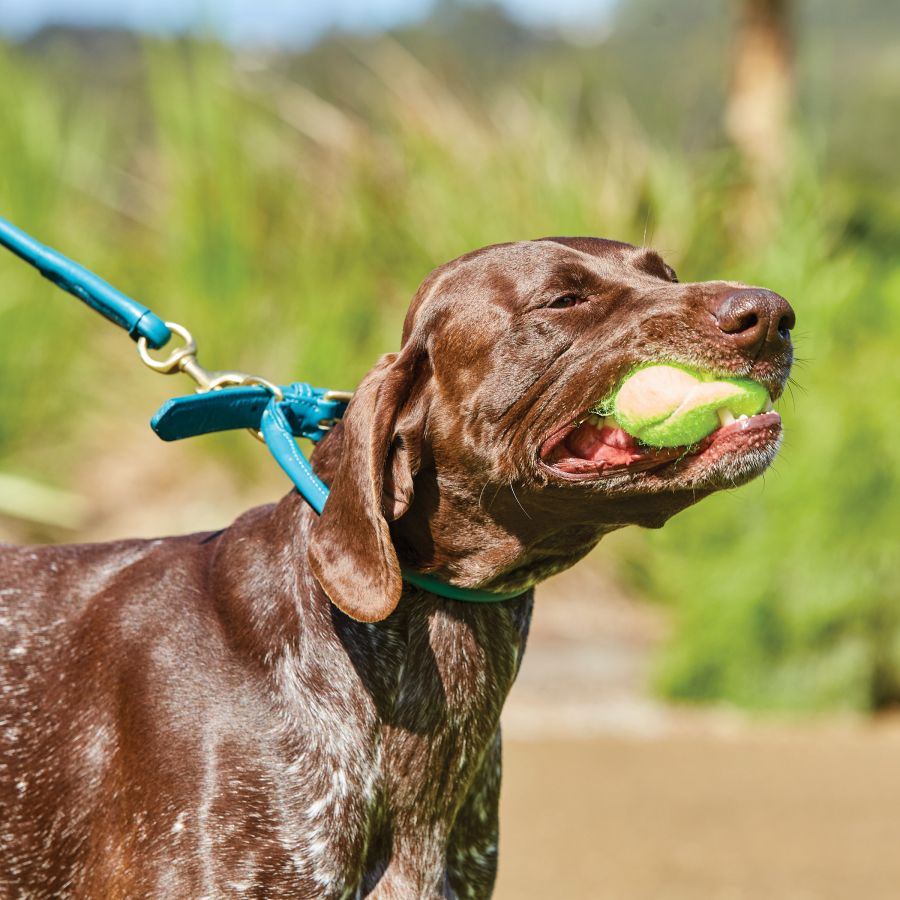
(288, 231)
(788, 589)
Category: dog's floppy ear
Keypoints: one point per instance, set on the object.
(350, 548)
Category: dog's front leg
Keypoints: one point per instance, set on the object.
(472, 850)
(452, 854)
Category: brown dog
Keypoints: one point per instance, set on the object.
(193, 717)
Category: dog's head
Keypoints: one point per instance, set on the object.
(506, 353)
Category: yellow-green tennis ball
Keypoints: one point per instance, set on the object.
(669, 406)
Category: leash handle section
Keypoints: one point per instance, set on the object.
(279, 438)
(278, 414)
(102, 297)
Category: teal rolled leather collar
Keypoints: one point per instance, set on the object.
(300, 412)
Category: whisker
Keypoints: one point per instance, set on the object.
(517, 500)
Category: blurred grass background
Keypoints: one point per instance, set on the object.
(286, 205)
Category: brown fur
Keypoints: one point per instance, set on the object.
(192, 717)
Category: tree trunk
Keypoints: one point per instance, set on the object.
(759, 104)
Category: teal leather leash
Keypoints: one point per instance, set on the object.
(136, 319)
(225, 400)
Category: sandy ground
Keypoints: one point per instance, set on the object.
(789, 815)
(610, 795)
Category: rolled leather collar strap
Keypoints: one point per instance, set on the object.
(301, 412)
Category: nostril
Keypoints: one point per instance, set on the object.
(747, 321)
(785, 324)
(753, 317)
(738, 318)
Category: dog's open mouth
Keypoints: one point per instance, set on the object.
(671, 425)
(598, 447)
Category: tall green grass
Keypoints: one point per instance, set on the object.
(289, 233)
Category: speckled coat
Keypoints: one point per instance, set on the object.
(267, 711)
(168, 733)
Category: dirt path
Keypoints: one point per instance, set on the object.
(610, 795)
(799, 814)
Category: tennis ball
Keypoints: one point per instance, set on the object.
(671, 406)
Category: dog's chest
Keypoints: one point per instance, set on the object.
(385, 744)
(354, 750)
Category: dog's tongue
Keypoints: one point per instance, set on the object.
(611, 446)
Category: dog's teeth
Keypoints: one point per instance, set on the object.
(742, 418)
(726, 417)
(769, 405)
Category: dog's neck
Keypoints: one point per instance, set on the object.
(499, 539)
(497, 535)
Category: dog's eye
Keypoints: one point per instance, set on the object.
(565, 301)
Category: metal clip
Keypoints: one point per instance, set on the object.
(184, 359)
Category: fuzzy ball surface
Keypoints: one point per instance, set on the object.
(664, 405)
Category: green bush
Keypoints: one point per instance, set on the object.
(288, 232)
(788, 589)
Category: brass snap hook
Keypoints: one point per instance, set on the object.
(173, 362)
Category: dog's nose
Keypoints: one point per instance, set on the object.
(755, 318)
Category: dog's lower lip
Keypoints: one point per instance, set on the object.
(649, 460)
